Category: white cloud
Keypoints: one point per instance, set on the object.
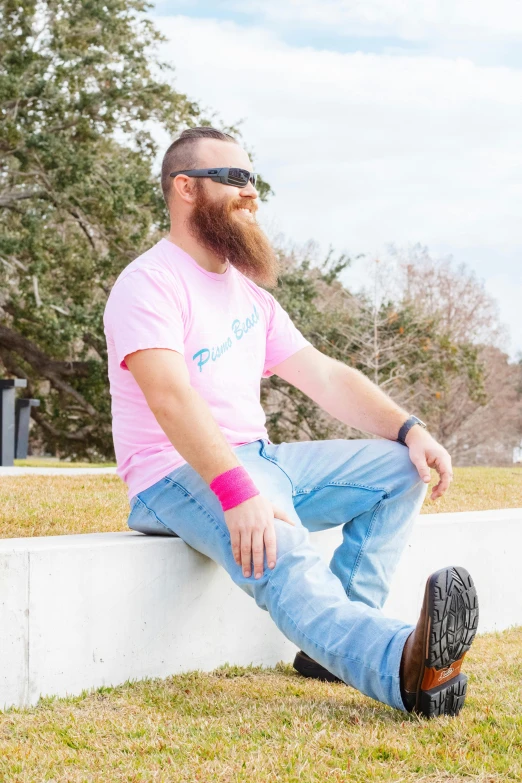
(411, 19)
(363, 150)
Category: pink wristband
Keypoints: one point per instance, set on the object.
(233, 487)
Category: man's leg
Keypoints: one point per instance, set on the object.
(372, 489)
(306, 600)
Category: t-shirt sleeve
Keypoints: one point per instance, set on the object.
(283, 338)
(144, 310)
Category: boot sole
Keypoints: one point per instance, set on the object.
(452, 620)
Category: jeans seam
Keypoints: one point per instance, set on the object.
(351, 484)
(200, 505)
(276, 463)
(320, 647)
(360, 553)
(153, 514)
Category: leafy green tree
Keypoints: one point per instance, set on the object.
(80, 86)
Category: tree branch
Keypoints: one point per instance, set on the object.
(13, 196)
(79, 435)
(13, 341)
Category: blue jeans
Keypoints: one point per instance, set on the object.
(333, 613)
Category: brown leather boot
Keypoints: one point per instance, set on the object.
(431, 680)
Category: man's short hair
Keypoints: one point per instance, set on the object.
(181, 155)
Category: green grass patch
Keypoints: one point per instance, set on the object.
(60, 505)
(48, 462)
(257, 725)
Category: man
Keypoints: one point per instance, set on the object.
(190, 333)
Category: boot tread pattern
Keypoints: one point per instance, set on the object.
(454, 614)
(446, 700)
(454, 617)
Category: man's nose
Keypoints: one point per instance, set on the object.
(248, 191)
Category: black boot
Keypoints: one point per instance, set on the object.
(310, 668)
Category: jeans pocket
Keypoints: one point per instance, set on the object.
(143, 520)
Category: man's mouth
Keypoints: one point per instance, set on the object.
(247, 212)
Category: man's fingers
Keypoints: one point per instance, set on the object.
(235, 542)
(446, 477)
(270, 545)
(246, 552)
(283, 515)
(257, 552)
(250, 540)
(419, 460)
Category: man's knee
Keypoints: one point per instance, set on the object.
(403, 473)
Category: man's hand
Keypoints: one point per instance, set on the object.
(426, 453)
(251, 526)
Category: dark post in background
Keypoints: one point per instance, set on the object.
(22, 418)
(14, 421)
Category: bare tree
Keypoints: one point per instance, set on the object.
(396, 344)
(485, 434)
(452, 291)
(481, 422)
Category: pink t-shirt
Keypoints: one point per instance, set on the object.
(230, 332)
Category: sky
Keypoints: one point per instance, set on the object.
(376, 122)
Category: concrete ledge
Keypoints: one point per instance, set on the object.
(82, 611)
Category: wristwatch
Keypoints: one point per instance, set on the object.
(406, 427)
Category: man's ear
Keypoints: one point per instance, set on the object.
(184, 188)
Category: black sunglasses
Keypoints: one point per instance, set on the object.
(239, 178)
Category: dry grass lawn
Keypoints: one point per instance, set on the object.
(255, 724)
(258, 725)
(56, 505)
(51, 462)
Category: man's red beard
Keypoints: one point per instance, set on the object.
(219, 227)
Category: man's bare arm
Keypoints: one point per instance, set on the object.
(187, 420)
(181, 411)
(343, 392)
(352, 398)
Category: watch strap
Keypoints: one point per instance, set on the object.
(406, 427)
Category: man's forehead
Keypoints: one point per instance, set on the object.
(213, 152)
